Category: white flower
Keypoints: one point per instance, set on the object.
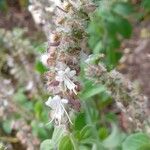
(88, 60)
(37, 14)
(65, 77)
(44, 59)
(58, 110)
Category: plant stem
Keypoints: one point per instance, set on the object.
(9, 139)
(74, 142)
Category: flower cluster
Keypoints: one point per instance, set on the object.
(67, 43)
(124, 93)
(67, 46)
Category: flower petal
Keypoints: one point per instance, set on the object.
(48, 102)
(72, 73)
(54, 102)
(65, 101)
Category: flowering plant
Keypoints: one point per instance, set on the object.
(82, 52)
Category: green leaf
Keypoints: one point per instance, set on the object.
(80, 121)
(47, 145)
(58, 134)
(95, 27)
(123, 26)
(38, 109)
(28, 106)
(7, 126)
(93, 112)
(117, 24)
(40, 67)
(98, 48)
(110, 24)
(95, 30)
(66, 144)
(113, 58)
(110, 117)
(91, 89)
(93, 40)
(20, 97)
(53, 143)
(113, 141)
(86, 132)
(41, 48)
(39, 130)
(122, 8)
(146, 5)
(83, 147)
(145, 147)
(135, 141)
(103, 133)
(113, 42)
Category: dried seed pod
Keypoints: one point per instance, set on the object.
(67, 6)
(54, 83)
(94, 70)
(51, 61)
(50, 75)
(54, 37)
(51, 50)
(60, 21)
(75, 104)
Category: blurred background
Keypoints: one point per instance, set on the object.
(23, 114)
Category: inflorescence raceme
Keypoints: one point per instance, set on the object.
(64, 23)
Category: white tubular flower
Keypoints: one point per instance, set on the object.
(65, 77)
(58, 109)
